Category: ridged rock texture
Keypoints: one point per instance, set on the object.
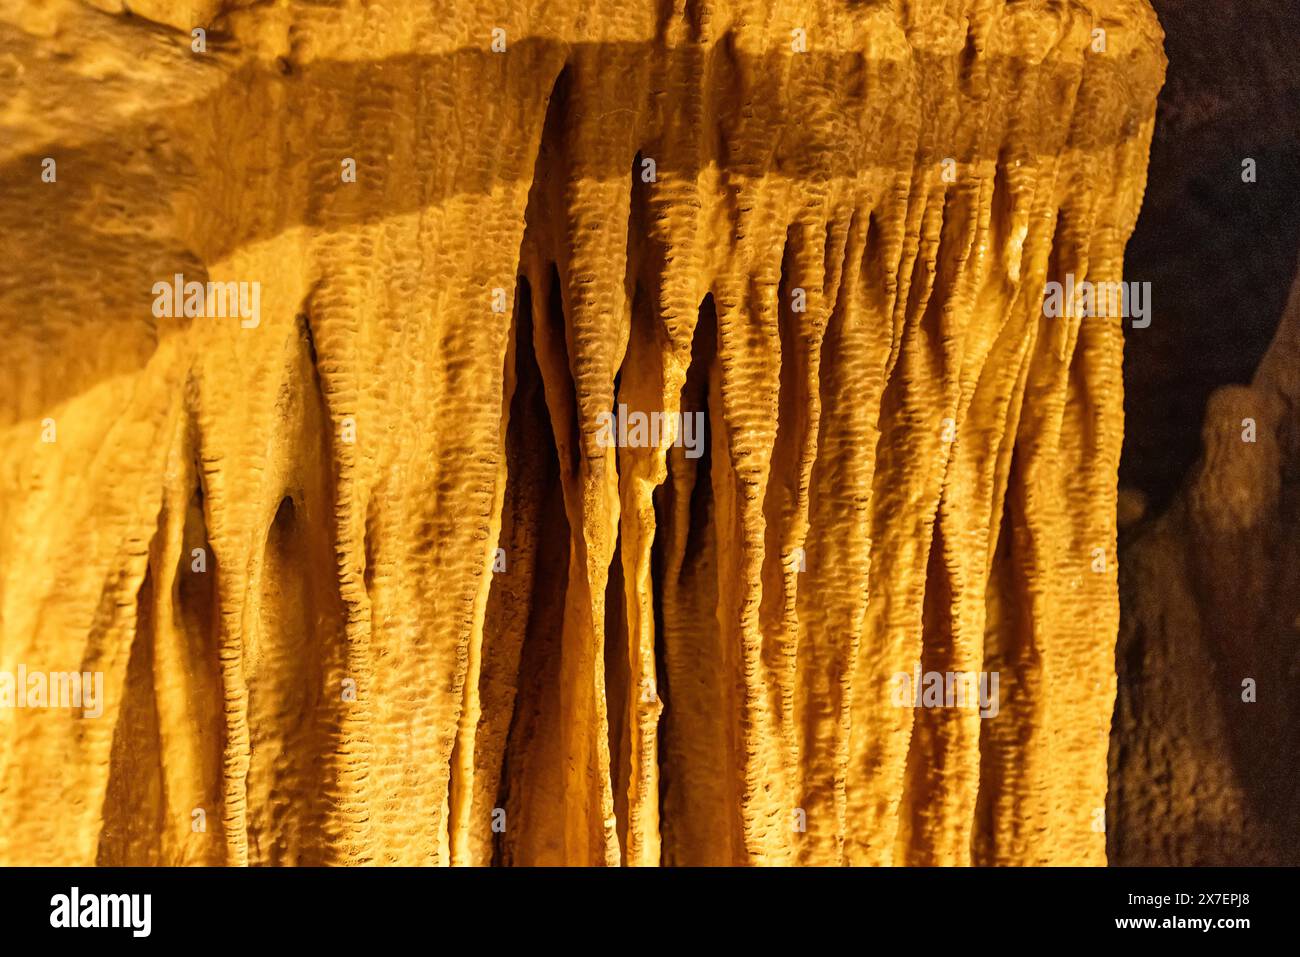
(439, 620)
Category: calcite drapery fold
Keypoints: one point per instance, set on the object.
(364, 581)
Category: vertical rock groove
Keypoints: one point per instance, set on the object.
(668, 380)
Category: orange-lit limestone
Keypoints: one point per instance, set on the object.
(370, 571)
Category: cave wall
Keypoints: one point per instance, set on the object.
(1205, 739)
(438, 619)
(1204, 745)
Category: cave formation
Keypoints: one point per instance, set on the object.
(364, 580)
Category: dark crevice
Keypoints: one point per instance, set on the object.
(617, 669)
(134, 800)
(695, 398)
(792, 413)
(528, 601)
(557, 330)
(681, 557)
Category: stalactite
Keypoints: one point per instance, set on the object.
(442, 618)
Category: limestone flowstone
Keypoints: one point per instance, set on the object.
(440, 619)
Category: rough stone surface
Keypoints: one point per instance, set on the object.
(1208, 594)
(1205, 738)
(684, 659)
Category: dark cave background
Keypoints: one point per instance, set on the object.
(1221, 255)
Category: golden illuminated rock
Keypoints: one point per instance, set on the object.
(374, 547)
